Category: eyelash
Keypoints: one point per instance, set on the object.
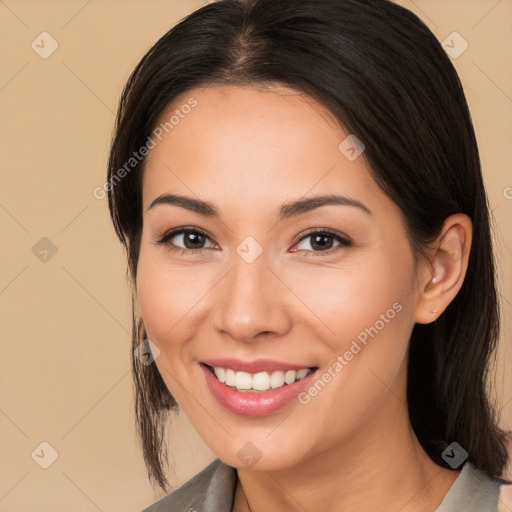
(164, 240)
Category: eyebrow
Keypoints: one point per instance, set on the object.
(287, 210)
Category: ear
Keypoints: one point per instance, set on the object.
(442, 277)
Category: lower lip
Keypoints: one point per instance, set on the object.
(255, 404)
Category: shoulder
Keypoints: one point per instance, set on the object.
(212, 489)
(473, 491)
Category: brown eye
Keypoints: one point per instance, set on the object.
(186, 239)
(323, 241)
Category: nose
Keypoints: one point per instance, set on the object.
(252, 302)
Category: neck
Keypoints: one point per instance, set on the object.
(381, 467)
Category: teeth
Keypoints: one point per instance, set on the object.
(230, 378)
(221, 374)
(261, 381)
(277, 379)
(243, 380)
(289, 376)
(302, 373)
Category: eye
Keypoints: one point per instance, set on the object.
(193, 240)
(322, 241)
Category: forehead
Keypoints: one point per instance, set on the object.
(251, 146)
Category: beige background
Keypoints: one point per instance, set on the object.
(64, 375)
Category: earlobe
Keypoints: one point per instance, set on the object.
(447, 268)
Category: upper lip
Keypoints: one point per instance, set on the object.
(258, 365)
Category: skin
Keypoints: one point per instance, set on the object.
(248, 151)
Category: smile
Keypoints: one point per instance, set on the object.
(258, 382)
(256, 394)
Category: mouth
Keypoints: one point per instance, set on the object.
(260, 393)
(259, 382)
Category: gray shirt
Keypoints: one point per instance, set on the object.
(213, 490)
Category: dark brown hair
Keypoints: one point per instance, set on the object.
(384, 75)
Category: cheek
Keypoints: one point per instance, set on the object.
(170, 297)
(164, 301)
(348, 300)
(160, 297)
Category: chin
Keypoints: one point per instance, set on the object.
(258, 455)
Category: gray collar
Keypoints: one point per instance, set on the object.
(213, 490)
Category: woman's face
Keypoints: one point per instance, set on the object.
(258, 287)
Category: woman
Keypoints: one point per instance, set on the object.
(298, 188)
